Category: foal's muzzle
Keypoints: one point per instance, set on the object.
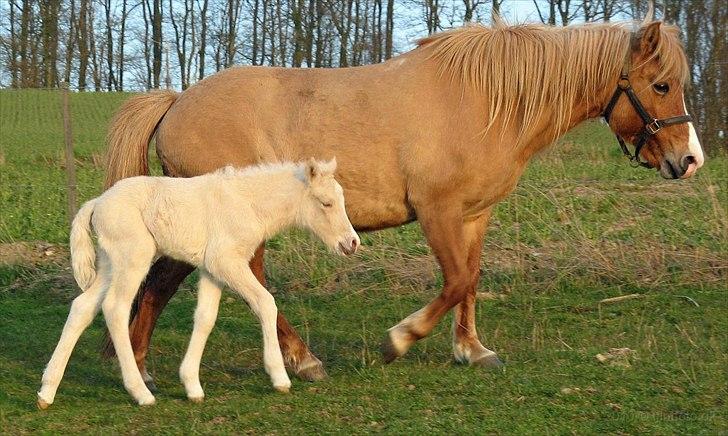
(349, 246)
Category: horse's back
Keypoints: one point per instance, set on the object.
(249, 115)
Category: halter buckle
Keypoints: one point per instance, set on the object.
(653, 127)
(623, 83)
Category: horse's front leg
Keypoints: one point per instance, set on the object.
(295, 352)
(442, 223)
(466, 345)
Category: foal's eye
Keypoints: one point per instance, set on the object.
(661, 88)
(326, 205)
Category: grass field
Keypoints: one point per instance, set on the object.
(582, 226)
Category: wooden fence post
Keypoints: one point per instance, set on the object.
(70, 160)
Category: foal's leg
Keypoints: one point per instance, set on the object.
(442, 223)
(129, 264)
(208, 301)
(466, 346)
(83, 310)
(295, 352)
(161, 283)
(261, 302)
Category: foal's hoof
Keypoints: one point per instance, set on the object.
(389, 351)
(282, 389)
(489, 361)
(197, 400)
(150, 401)
(42, 404)
(311, 370)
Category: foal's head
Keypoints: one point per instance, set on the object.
(323, 210)
(658, 74)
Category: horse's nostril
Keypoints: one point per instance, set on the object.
(687, 160)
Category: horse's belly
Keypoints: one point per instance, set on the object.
(369, 211)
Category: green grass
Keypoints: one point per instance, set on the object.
(581, 226)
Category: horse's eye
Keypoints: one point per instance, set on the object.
(326, 205)
(661, 88)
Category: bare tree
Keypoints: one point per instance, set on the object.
(203, 39)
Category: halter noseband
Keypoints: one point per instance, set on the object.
(651, 126)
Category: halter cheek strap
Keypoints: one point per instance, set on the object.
(651, 125)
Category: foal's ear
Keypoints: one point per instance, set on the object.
(312, 169)
(649, 37)
(328, 168)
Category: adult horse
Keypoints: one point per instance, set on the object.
(449, 127)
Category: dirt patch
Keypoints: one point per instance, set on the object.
(32, 253)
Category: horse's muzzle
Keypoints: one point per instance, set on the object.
(685, 168)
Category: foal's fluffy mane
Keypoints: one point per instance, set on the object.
(262, 168)
(530, 68)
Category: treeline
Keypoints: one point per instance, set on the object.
(116, 45)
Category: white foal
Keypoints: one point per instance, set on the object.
(215, 222)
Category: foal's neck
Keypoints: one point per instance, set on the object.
(276, 199)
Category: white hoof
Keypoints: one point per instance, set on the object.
(43, 404)
(147, 401)
(283, 389)
(196, 399)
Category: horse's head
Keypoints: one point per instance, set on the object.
(662, 133)
(323, 210)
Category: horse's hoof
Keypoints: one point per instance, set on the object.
(197, 400)
(489, 361)
(389, 351)
(283, 389)
(151, 386)
(313, 371)
(42, 404)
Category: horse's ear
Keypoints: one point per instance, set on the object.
(649, 37)
(312, 169)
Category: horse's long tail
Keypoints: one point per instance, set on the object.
(130, 132)
(83, 255)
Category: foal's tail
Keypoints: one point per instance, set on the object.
(83, 255)
(130, 132)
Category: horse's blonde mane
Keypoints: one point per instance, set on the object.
(528, 69)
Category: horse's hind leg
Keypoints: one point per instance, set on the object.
(130, 262)
(83, 310)
(295, 352)
(208, 301)
(466, 345)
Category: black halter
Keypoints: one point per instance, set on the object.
(651, 126)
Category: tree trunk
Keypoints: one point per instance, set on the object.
(122, 41)
(70, 43)
(203, 40)
(82, 40)
(156, 43)
(49, 11)
(389, 44)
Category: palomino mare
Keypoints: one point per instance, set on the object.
(215, 222)
(449, 126)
